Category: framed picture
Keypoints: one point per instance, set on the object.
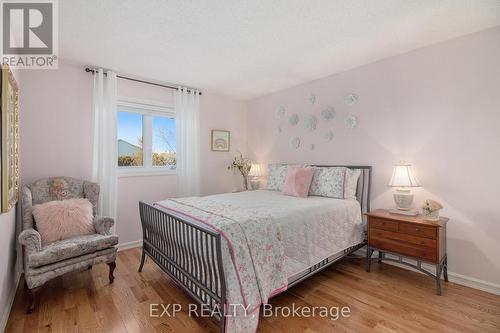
(9, 134)
(220, 140)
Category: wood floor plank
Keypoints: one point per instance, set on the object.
(388, 299)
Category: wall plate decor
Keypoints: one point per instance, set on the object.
(310, 123)
(221, 140)
(351, 121)
(294, 143)
(293, 119)
(280, 112)
(328, 113)
(10, 142)
(329, 136)
(351, 99)
(312, 99)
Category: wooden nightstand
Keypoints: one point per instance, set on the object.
(408, 236)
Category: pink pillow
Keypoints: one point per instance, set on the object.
(298, 181)
(61, 219)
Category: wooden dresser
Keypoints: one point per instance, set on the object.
(411, 237)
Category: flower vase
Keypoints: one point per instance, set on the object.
(245, 182)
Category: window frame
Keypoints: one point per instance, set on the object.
(147, 109)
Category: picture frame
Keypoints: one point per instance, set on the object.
(220, 140)
(10, 144)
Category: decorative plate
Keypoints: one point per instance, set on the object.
(351, 99)
(280, 112)
(294, 143)
(328, 113)
(310, 123)
(351, 121)
(293, 119)
(329, 136)
(312, 99)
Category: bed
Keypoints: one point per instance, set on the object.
(233, 252)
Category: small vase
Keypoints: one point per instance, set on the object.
(431, 216)
(245, 182)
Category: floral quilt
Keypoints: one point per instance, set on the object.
(268, 237)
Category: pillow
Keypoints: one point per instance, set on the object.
(276, 174)
(351, 183)
(297, 182)
(61, 219)
(334, 182)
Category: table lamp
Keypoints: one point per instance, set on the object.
(403, 178)
(254, 176)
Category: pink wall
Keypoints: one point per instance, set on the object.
(437, 107)
(56, 127)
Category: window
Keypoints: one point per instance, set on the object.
(146, 138)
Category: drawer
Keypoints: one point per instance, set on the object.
(404, 238)
(417, 230)
(403, 248)
(374, 222)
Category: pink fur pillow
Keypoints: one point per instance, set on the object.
(298, 181)
(61, 219)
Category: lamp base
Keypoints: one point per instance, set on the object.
(403, 198)
(410, 212)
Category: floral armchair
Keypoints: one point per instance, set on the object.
(43, 262)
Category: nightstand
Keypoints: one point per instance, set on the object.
(411, 237)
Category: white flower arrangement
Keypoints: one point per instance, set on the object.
(242, 165)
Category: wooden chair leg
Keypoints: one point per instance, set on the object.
(112, 266)
(32, 293)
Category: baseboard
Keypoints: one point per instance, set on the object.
(8, 308)
(129, 245)
(463, 280)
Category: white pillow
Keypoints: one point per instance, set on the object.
(276, 174)
(334, 182)
(351, 183)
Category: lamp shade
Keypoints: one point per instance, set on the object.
(255, 171)
(403, 176)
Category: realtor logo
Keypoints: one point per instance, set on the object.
(29, 34)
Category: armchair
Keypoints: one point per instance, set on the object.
(43, 262)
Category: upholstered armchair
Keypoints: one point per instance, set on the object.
(43, 262)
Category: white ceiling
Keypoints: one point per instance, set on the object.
(250, 48)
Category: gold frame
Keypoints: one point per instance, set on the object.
(10, 148)
(228, 141)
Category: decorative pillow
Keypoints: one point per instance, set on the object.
(297, 181)
(334, 182)
(351, 183)
(276, 174)
(56, 220)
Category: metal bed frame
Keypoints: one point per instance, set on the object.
(191, 254)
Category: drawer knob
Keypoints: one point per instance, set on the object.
(417, 229)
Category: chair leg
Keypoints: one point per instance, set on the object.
(31, 298)
(90, 267)
(143, 257)
(112, 266)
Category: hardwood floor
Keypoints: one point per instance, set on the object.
(389, 299)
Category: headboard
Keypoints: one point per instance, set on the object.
(364, 185)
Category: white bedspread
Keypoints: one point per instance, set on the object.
(275, 234)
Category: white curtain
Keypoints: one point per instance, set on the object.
(104, 161)
(187, 120)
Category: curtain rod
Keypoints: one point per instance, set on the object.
(90, 70)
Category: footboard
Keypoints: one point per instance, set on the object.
(189, 253)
